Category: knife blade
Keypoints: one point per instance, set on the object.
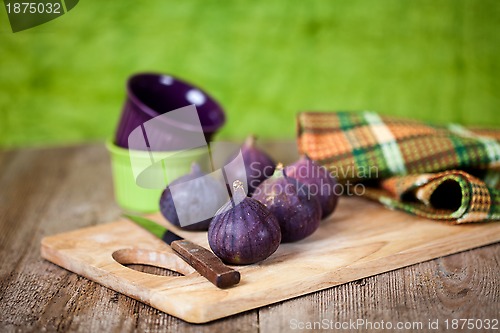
(205, 262)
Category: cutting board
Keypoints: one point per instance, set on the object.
(359, 240)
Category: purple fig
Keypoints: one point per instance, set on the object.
(201, 195)
(321, 183)
(258, 165)
(297, 212)
(243, 231)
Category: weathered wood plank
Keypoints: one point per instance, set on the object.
(362, 239)
(463, 285)
(48, 191)
(36, 186)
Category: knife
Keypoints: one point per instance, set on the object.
(201, 259)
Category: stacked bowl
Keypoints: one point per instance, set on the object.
(165, 126)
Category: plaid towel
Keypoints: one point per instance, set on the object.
(439, 172)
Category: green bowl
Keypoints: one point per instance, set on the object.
(140, 177)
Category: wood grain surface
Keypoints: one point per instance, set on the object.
(48, 191)
(361, 239)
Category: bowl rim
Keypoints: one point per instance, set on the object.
(221, 119)
(116, 150)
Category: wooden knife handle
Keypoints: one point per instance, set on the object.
(206, 263)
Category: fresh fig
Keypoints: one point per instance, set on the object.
(258, 165)
(199, 195)
(243, 231)
(321, 183)
(297, 212)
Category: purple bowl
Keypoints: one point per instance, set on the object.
(150, 95)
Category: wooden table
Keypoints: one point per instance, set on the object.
(48, 191)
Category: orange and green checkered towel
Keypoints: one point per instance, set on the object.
(447, 173)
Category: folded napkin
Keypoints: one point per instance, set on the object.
(440, 172)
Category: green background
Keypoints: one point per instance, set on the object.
(435, 60)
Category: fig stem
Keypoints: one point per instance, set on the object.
(237, 184)
(239, 190)
(250, 140)
(279, 171)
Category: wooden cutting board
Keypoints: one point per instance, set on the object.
(361, 239)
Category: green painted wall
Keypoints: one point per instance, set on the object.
(436, 60)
